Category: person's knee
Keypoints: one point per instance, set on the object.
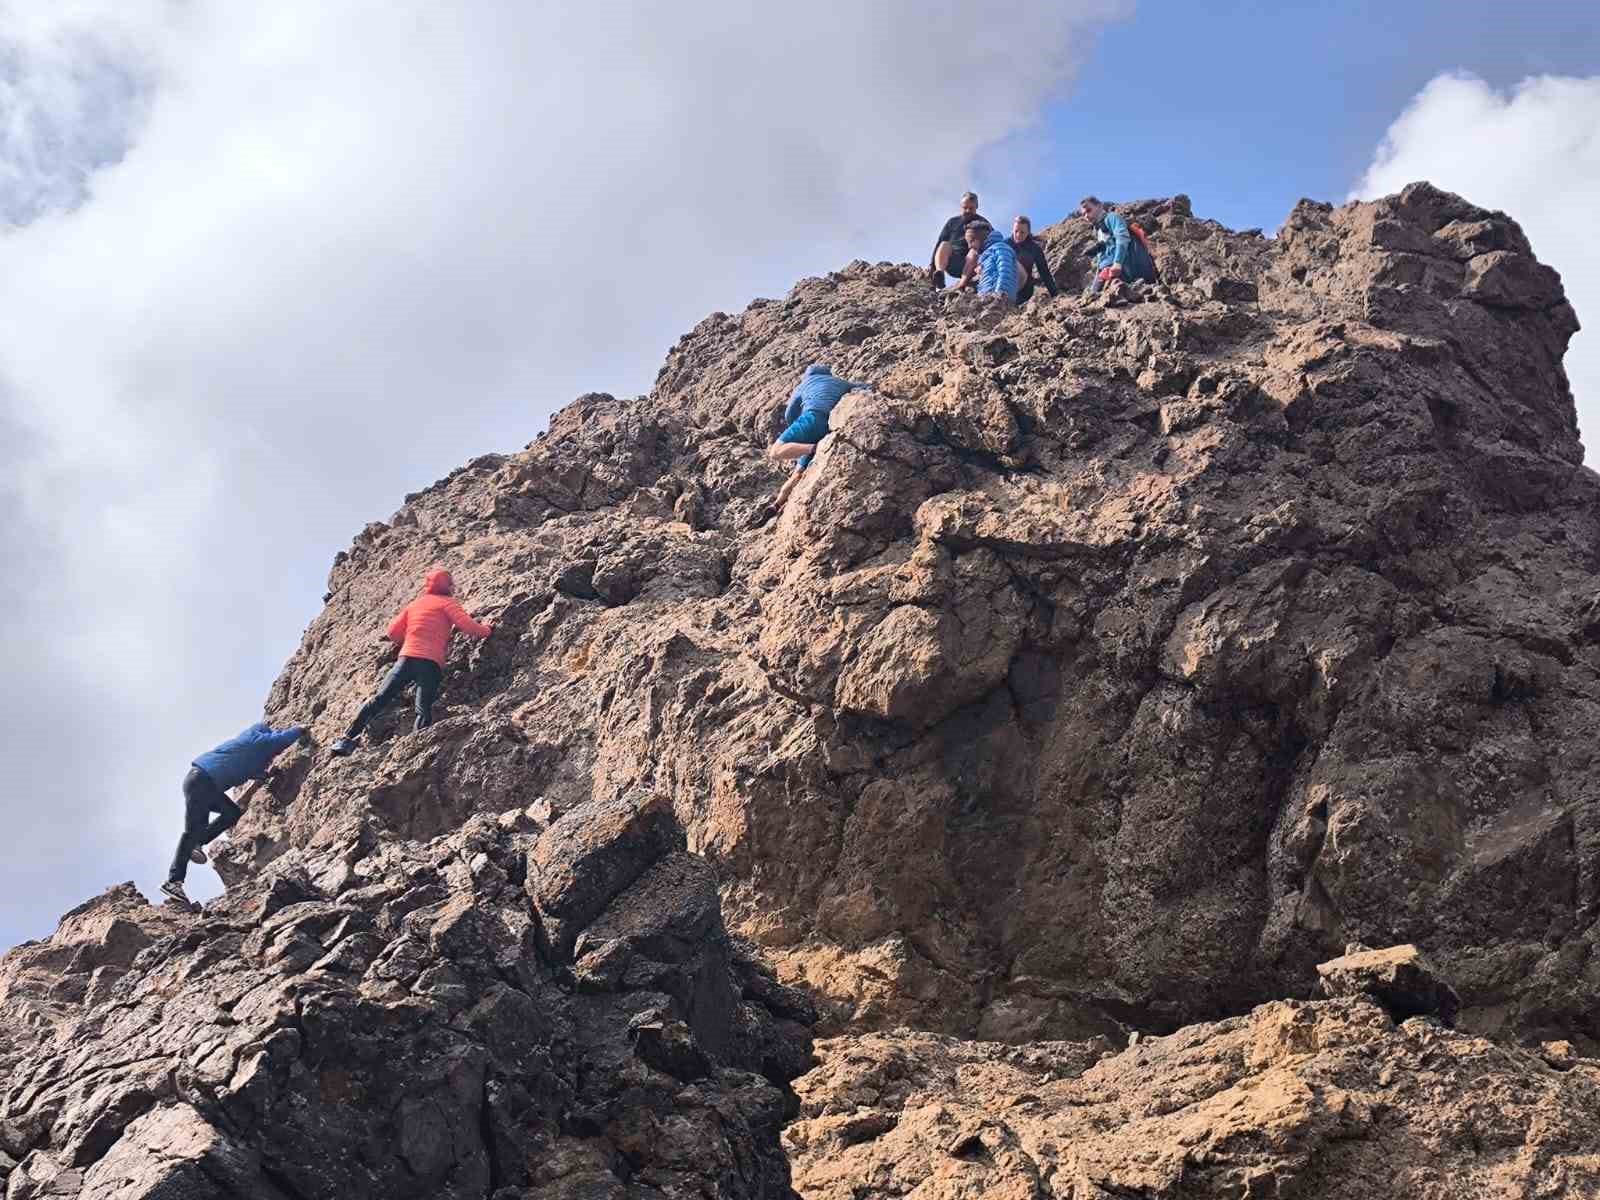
(941, 256)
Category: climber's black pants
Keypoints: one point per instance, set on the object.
(423, 672)
(201, 798)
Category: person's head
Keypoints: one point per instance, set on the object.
(977, 232)
(969, 204)
(818, 369)
(1021, 230)
(1091, 208)
(438, 582)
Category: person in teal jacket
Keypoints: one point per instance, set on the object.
(1125, 257)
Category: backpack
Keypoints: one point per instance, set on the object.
(1138, 232)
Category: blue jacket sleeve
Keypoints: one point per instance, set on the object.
(792, 413)
(274, 742)
(1121, 240)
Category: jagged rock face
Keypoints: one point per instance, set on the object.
(393, 1021)
(1328, 1101)
(1111, 667)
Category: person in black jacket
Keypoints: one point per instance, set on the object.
(950, 250)
(1030, 260)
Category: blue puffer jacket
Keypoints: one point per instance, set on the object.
(248, 755)
(1124, 250)
(997, 267)
(820, 389)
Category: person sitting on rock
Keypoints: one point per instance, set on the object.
(1031, 260)
(423, 630)
(806, 420)
(205, 791)
(992, 263)
(1125, 258)
(950, 250)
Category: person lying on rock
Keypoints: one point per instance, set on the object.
(807, 420)
(950, 250)
(423, 630)
(1031, 260)
(992, 263)
(205, 791)
(1125, 258)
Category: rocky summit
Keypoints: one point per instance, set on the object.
(1152, 754)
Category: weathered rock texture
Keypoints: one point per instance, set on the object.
(380, 1020)
(1111, 669)
(1327, 1100)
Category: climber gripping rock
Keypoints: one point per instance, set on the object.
(205, 791)
(1031, 260)
(423, 630)
(950, 249)
(806, 420)
(1126, 258)
(992, 264)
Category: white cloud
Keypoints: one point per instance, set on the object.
(276, 264)
(1533, 152)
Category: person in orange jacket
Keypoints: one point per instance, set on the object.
(423, 631)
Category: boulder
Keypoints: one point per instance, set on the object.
(1399, 978)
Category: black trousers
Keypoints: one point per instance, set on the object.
(201, 798)
(423, 672)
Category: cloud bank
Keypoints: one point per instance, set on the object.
(269, 267)
(1532, 151)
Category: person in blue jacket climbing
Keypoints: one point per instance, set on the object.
(205, 791)
(992, 264)
(806, 420)
(1125, 258)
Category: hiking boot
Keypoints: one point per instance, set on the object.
(173, 889)
(343, 747)
(197, 856)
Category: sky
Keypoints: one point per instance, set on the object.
(264, 269)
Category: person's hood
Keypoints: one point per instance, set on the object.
(818, 369)
(438, 583)
(996, 238)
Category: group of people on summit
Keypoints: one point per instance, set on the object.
(972, 252)
(969, 250)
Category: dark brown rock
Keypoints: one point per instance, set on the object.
(406, 1038)
(1111, 668)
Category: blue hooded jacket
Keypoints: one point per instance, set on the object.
(1124, 250)
(248, 755)
(820, 389)
(997, 267)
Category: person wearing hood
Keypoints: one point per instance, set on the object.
(992, 265)
(205, 791)
(423, 630)
(806, 420)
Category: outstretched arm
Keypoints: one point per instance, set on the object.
(397, 627)
(969, 272)
(459, 618)
(1045, 277)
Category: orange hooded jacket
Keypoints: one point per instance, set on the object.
(423, 626)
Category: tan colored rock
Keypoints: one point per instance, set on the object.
(1400, 979)
(1323, 1101)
